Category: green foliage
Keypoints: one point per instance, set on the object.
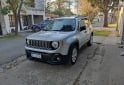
(104, 33)
(16, 7)
(48, 7)
(13, 4)
(4, 10)
(60, 7)
(29, 3)
(104, 4)
(67, 12)
(58, 12)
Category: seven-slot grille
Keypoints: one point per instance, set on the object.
(46, 45)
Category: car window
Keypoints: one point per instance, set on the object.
(86, 22)
(61, 25)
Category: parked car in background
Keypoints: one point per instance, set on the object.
(39, 26)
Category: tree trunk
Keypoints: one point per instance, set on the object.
(105, 18)
(19, 10)
(2, 22)
(20, 24)
(16, 23)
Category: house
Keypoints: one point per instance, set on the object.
(31, 14)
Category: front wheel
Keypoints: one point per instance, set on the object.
(90, 42)
(73, 54)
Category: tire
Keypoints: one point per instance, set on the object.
(90, 42)
(73, 55)
(28, 56)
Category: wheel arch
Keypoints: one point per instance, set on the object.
(75, 43)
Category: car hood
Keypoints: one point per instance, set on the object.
(50, 35)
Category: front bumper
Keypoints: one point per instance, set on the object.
(59, 50)
(52, 58)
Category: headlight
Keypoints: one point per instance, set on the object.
(27, 41)
(55, 45)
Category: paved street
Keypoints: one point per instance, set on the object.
(100, 64)
(37, 73)
(12, 48)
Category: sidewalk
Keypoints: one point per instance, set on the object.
(107, 67)
(112, 39)
(106, 40)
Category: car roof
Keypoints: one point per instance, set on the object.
(72, 17)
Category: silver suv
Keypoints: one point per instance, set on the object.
(60, 40)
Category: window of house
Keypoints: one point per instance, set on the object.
(25, 20)
(11, 20)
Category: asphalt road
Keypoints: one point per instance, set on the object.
(100, 64)
(10, 49)
(38, 73)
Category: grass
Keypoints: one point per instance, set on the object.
(111, 25)
(104, 33)
(10, 36)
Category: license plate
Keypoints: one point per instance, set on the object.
(36, 55)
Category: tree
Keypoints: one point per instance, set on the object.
(48, 7)
(105, 6)
(2, 21)
(59, 4)
(58, 12)
(15, 6)
(85, 8)
(62, 7)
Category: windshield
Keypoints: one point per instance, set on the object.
(61, 25)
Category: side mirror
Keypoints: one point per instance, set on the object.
(82, 28)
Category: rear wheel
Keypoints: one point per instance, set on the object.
(73, 54)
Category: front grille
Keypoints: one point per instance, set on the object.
(46, 45)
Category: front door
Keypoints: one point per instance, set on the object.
(81, 34)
